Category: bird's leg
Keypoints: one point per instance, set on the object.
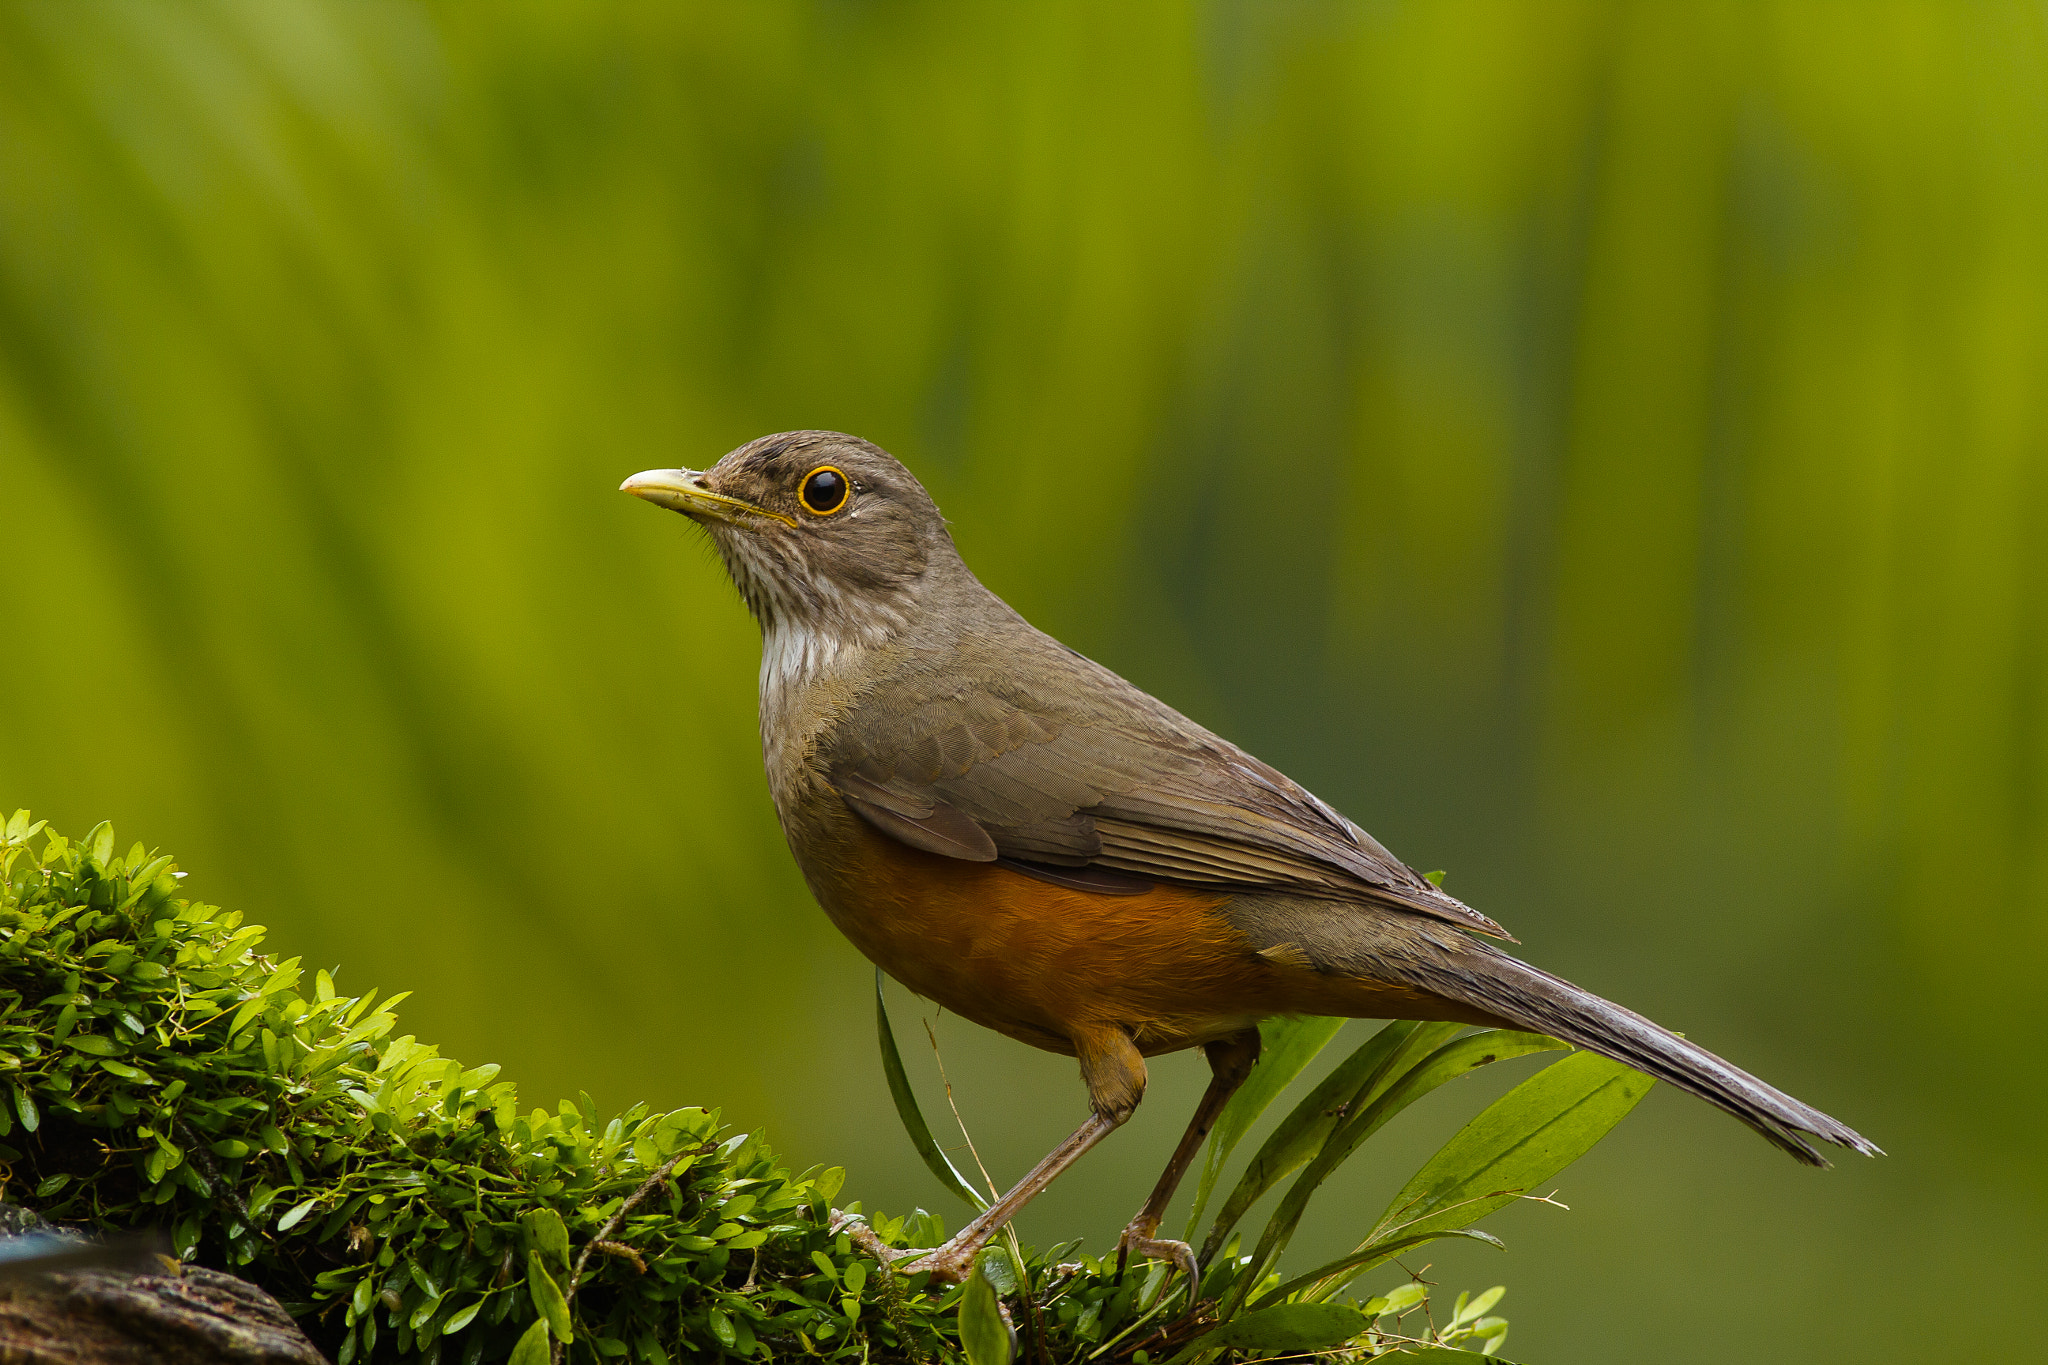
(1115, 1074)
(1230, 1061)
(951, 1263)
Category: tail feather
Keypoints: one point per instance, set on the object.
(1533, 999)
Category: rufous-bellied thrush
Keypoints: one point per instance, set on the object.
(1018, 834)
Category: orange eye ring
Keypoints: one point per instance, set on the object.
(825, 490)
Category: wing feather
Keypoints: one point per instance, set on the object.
(1097, 773)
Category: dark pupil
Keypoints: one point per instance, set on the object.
(824, 491)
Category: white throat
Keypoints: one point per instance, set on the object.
(795, 654)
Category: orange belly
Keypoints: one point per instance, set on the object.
(1046, 964)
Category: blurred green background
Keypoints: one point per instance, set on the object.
(1598, 446)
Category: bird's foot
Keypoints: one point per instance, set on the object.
(949, 1264)
(864, 1237)
(1138, 1240)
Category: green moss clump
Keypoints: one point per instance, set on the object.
(156, 1068)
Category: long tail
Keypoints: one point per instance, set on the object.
(1530, 998)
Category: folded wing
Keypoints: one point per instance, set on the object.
(1087, 772)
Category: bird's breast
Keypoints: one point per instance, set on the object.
(1038, 962)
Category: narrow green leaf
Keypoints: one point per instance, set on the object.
(1285, 1047)
(935, 1160)
(984, 1336)
(1408, 1083)
(1443, 1355)
(1524, 1138)
(1521, 1140)
(462, 1318)
(547, 1297)
(249, 1010)
(1285, 1329)
(92, 1043)
(533, 1345)
(1334, 1275)
(1301, 1134)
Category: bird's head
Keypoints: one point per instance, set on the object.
(823, 533)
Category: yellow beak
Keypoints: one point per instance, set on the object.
(683, 490)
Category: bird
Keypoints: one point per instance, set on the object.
(1015, 832)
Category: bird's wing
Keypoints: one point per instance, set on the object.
(1090, 777)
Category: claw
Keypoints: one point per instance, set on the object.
(948, 1264)
(1138, 1238)
(864, 1237)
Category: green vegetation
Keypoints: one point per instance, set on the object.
(162, 1071)
(1519, 1142)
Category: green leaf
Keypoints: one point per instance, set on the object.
(1401, 1298)
(92, 1043)
(533, 1345)
(1444, 1355)
(1285, 1329)
(1521, 1140)
(1302, 1133)
(995, 1263)
(547, 1234)
(547, 1297)
(297, 1212)
(1479, 1307)
(984, 1336)
(1456, 1058)
(101, 841)
(1285, 1047)
(462, 1319)
(249, 1010)
(25, 1106)
(1347, 1268)
(935, 1160)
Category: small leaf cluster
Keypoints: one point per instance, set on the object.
(158, 1069)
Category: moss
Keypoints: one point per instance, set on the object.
(158, 1068)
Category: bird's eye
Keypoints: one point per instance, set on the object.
(825, 490)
